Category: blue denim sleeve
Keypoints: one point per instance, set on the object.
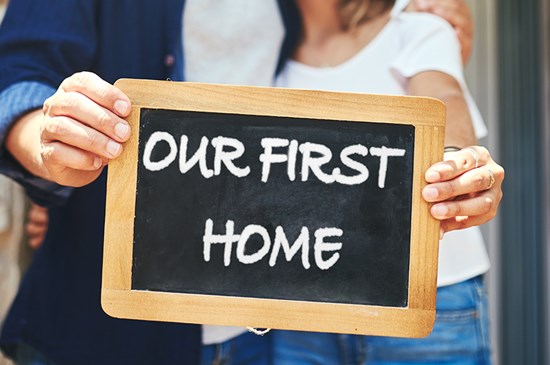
(16, 101)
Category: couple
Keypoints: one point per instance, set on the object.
(63, 138)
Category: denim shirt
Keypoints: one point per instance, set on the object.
(57, 310)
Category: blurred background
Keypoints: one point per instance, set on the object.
(509, 76)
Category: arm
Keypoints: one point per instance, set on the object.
(461, 192)
(466, 186)
(79, 129)
(459, 130)
(37, 52)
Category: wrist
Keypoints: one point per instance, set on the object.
(23, 143)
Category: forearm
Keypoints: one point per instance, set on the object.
(23, 143)
(459, 130)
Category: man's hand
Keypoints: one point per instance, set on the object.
(466, 188)
(457, 13)
(79, 129)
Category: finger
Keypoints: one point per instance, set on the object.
(457, 163)
(458, 20)
(466, 45)
(458, 14)
(462, 222)
(58, 156)
(38, 215)
(36, 242)
(98, 90)
(33, 230)
(472, 181)
(73, 133)
(475, 206)
(79, 107)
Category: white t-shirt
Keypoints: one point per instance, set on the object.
(232, 41)
(409, 44)
(251, 33)
(244, 51)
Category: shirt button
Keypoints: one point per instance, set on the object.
(169, 60)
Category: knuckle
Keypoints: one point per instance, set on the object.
(52, 105)
(104, 93)
(456, 209)
(81, 79)
(103, 120)
(56, 127)
(500, 173)
(78, 81)
(479, 181)
(63, 104)
(483, 152)
(73, 82)
(70, 101)
(448, 189)
(92, 139)
(487, 205)
(46, 107)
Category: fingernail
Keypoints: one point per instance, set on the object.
(121, 130)
(432, 176)
(440, 210)
(97, 162)
(121, 107)
(430, 193)
(113, 148)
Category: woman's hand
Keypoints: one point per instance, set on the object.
(37, 225)
(466, 188)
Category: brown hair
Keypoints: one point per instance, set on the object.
(355, 12)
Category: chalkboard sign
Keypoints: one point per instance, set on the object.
(273, 208)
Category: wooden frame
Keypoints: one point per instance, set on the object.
(416, 320)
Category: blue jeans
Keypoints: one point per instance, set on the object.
(27, 355)
(246, 349)
(460, 337)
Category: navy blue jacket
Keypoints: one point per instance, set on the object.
(57, 310)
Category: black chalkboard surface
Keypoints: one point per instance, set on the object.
(244, 215)
(373, 263)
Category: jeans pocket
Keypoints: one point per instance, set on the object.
(460, 334)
